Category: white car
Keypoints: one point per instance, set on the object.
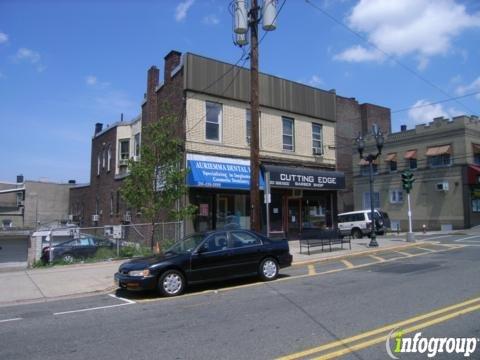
(358, 223)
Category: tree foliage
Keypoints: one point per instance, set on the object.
(156, 182)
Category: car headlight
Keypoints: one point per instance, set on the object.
(145, 272)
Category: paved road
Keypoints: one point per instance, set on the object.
(296, 316)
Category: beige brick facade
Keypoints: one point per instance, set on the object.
(233, 139)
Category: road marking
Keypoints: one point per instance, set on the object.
(205, 292)
(311, 269)
(385, 329)
(122, 299)
(8, 320)
(403, 253)
(425, 249)
(378, 258)
(468, 237)
(347, 263)
(436, 237)
(404, 331)
(90, 309)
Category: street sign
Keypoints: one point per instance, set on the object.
(117, 231)
(267, 198)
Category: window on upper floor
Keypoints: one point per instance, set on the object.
(124, 149)
(98, 164)
(365, 168)
(104, 158)
(288, 134)
(213, 121)
(439, 156)
(136, 142)
(317, 139)
(396, 196)
(410, 157)
(109, 158)
(476, 153)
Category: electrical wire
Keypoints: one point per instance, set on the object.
(405, 67)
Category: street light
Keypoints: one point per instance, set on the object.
(370, 158)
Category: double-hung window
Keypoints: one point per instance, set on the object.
(213, 121)
(124, 149)
(288, 134)
(317, 142)
(109, 158)
(396, 196)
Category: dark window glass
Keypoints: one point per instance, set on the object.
(216, 242)
(213, 120)
(124, 149)
(412, 163)
(288, 134)
(317, 143)
(393, 166)
(241, 239)
(476, 158)
(440, 160)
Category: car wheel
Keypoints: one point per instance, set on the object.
(357, 234)
(171, 283)
(68, 258)
(268, 269)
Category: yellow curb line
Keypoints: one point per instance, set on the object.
(347, 263)
(380, 259)
(360, 253)
(311, 269)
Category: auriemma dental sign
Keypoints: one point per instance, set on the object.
(305, 178)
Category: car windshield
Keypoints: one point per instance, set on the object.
(186, 245)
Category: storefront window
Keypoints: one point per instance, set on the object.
(276, 211)
(314, 214)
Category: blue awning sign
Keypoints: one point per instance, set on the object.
(219, 172)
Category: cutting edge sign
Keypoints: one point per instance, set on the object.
(305, 178)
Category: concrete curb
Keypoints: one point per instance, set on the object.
(365, 252)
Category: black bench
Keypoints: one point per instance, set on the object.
(316, 237)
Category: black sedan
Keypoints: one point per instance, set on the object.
(71, 250)
(204, 257)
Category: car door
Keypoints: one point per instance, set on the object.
(212, 260)
(247, 251)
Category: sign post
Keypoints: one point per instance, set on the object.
(268, 200)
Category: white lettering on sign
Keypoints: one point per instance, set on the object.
(307, 180)
(327, 180)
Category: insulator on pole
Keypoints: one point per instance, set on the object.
(269, 15)
(241, 39)
(241, 17)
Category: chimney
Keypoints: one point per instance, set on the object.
(19, 179)
(98, 128)
(72, 182)
(121, 116)
(172, 60)
(403, 128)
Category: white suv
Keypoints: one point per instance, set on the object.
(358, 223)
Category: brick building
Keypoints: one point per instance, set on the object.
(305, 136)
(444, 156)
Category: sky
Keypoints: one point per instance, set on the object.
(66, 65)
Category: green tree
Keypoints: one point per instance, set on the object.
(156, 182)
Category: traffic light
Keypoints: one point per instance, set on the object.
(407, 181)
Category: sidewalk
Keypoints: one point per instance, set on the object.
(75, 280)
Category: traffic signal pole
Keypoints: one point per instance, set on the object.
(407, 183)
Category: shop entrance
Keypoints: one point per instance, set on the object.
(294, 216)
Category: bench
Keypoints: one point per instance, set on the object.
(316, 237)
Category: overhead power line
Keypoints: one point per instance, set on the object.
(405, 67)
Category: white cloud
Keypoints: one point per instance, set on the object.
(474, 86)
(3, 38)
(182, 9)
(29, 56)
(421, 112)
(91, 80)
(358, 53)
(211, 19)
(420, 27)
(315, 80)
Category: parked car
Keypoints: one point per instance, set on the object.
(71, 250)
(209, 256)
(359, 223)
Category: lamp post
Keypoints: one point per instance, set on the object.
(370, 158)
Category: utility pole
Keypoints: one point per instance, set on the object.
(255, 223)
(407, 183)
(243, 22)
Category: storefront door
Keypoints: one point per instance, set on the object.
(294, 216)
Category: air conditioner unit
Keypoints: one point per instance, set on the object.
(127, 217)
(95, 217)
(108, 230)
(136, 157)
(123, 162)
(296, 193)
(317, 151)
(442, 186)
(70, 217)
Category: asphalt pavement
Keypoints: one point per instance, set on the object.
(308, 308)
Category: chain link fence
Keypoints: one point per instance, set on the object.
(107, 242)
